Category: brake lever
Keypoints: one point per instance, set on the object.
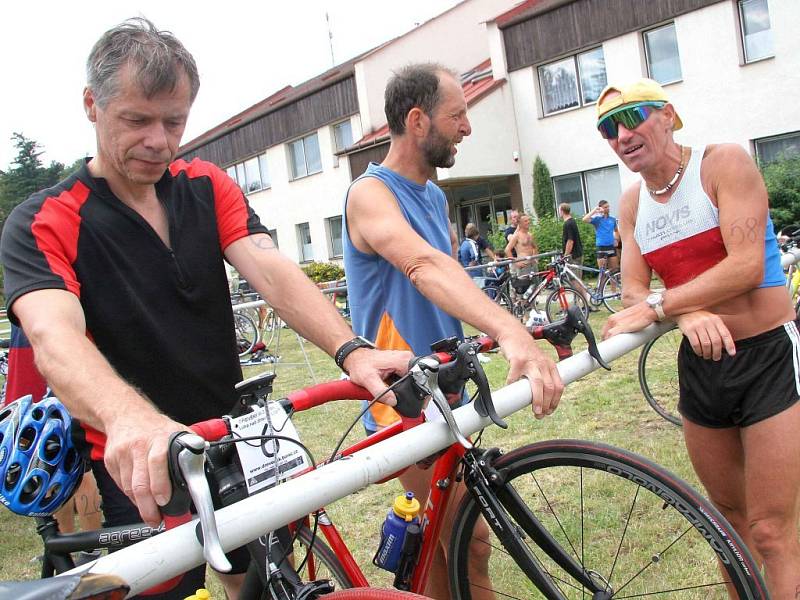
(426, 375)
(187, 471)
(576, 316)
(483, 404)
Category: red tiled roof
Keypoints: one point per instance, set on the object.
(477, 83)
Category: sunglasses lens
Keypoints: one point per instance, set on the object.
(630, 118)
(607, 128)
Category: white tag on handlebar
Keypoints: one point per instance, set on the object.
(265, 463)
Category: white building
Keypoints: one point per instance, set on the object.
(532, 73)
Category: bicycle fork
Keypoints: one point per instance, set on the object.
(512, 521)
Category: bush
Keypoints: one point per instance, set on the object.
(782, 179)
(496, 236)
(548, 237)
(544, 199)
(320, 272)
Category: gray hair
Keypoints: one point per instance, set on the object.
(156, 58)
(413, 86)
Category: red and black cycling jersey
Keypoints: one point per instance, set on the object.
(161, 315)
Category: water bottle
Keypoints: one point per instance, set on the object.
(402, 514)
(201, 594)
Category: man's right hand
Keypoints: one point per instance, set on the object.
(527, 360)
(136, 458)
(707, 333)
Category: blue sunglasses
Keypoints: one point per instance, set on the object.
(630, 117)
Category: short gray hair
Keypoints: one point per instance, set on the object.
(156, 57)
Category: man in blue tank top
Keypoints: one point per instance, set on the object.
(406, 290)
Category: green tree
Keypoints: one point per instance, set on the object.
(782, 178)
(543, 193)
(26, 175)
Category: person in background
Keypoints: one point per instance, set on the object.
(522, 243)
(606, 237)
(513, 222)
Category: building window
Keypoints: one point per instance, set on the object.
(304, 242)
(251, 175)
(335, 236)
(573, 81)
(342, 135)
(582, 190)
(663, 58)
(756, 30)
(304, 156)
(777, 147)
(273, 233)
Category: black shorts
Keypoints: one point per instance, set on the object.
(119, 510)
(606, 249)
(761, 380)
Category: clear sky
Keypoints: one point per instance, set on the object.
(245, 50)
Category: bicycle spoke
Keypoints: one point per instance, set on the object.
(555, 516)
(622, 538)
(673, 590)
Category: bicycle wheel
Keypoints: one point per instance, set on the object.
(272, 323)
(246, 333)
(499, 297)
(561, 299)
(658, 374)
(633, 527)
(611, 291)
(321, 563)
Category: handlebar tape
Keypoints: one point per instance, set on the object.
(316, 395)
(211, 430)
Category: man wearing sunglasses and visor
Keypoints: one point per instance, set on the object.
(700, 220)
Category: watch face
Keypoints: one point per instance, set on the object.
(653, 299)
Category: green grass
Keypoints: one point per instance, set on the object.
(603, 406)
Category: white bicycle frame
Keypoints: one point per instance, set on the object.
(166, 555)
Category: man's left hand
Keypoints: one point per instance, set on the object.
(633, 318)
(370, 369)
(527, 360)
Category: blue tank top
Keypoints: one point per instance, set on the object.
(384, 306)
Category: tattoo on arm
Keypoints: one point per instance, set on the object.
(745, 229)
(262, 242)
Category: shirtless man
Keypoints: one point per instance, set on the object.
(700, 220)
(522, 243)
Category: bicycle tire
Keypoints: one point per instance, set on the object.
(246, 333)
(658, 375)
(553, 305)
(499, 297)
(373, 594)
(272, 323)
(552, 476)
(612, 300)
(323, 555)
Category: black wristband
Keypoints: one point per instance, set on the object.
(345, 349)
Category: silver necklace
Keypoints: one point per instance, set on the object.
(675, 177)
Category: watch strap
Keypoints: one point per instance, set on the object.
(659, 312)
(345, 349)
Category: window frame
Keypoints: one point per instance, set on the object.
(742, 36)
(240, 172)
(329, 230)
(301, 254)
(647, 52)
(584, 185)
(578, 82)
(302, 141)
(334, 127)
(771, 138)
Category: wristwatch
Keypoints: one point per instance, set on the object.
(345, 349)
(654, 301)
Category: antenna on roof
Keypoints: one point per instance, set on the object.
(330, 37)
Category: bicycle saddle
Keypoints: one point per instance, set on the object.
(72, 587)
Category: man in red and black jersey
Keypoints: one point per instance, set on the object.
(116, 274)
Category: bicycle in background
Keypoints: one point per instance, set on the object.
(608, 289)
